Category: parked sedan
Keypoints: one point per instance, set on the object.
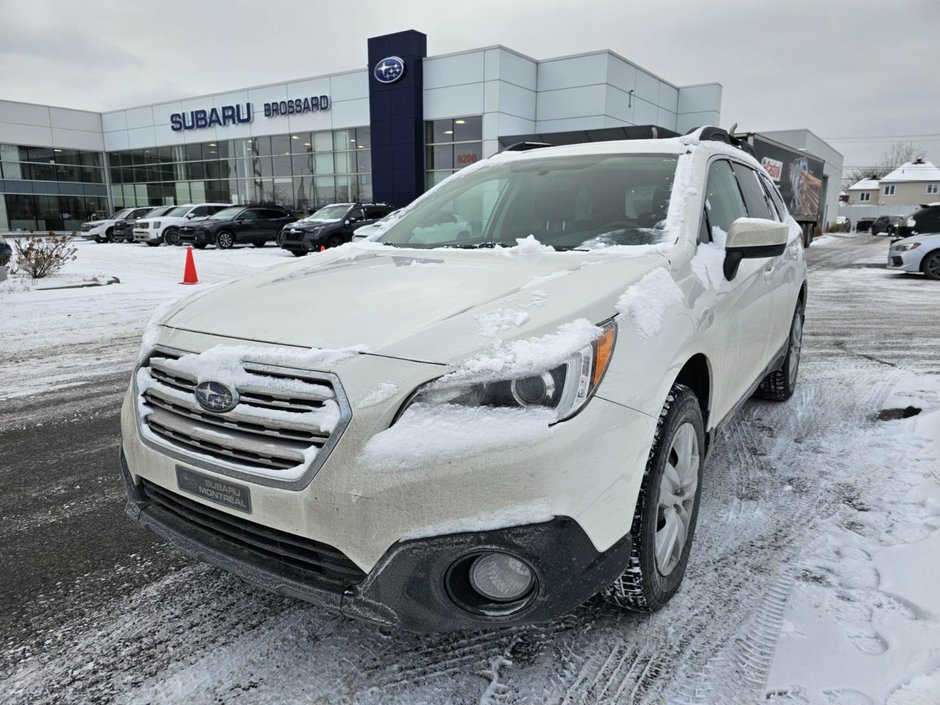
(920, 253)
(238, 224)
(886, 225)
(331, 226)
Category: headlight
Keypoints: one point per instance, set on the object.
(907, 246)
(910, 223)
(564, 388)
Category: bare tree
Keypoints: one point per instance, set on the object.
(894, 156)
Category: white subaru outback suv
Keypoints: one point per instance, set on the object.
(483, 431)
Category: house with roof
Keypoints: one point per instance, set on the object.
(910, 184)
(863, 193)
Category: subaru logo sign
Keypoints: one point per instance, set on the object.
(217, 397)
(389, 70)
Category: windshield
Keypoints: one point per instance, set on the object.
(121, 213)
(577, 202)
(328, 213)
(179, 211)
(160, 211)
(226, 213)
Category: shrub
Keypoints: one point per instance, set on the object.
(41, 256)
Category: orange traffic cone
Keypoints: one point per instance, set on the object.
(189, 273)
(322, 248)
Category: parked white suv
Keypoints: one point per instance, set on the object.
(487, 430)
(103, 230)
(156, 231)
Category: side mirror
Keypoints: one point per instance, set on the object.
(753, 238)
(190, 216)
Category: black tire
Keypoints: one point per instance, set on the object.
(151, 243)
(225, 240)
(279, 239)
(260, 244)
(200, 245)
(780, 384)
(644, 587)
(109, 235)
(930, 265)
(335, 242)
(171, 236)
(298, 253)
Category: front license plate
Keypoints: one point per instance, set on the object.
(219, 491)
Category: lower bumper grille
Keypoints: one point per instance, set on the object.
(897, 261)
(320, 562)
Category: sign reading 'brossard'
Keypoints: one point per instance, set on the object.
(244, 112)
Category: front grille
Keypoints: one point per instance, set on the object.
(328, 565)
(285, 418)
(897, 261)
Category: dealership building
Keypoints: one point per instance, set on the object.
(385, 132)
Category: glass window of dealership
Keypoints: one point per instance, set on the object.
(47, 188)
(301, 171)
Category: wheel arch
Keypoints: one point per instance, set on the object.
(696, 374)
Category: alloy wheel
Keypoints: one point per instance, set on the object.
(677, 491)
(796, 347)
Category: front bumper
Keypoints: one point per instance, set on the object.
(412, 587)
(905, 260)
(302, 242)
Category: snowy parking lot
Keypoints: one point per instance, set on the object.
(812, 579)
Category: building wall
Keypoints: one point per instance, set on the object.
(52, 173)
(906, 194)
(855, 197)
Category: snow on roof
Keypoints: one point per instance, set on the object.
(914, 171)
(864, 185)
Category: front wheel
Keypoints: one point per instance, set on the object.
(666, 509)
(171, 236)
(780, 384)
(298, 253)
(225, 240)
(200, 245)
(262, 243)
(930, 265)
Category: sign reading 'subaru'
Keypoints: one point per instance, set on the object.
(244, 112)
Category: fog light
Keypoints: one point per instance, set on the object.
(500, 577)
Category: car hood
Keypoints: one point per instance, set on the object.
(437, 306)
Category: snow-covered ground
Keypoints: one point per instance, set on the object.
(54, 338)
(813, 578)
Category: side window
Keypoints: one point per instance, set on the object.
(356, 213)
(273, 214)
(200, 212)
(723, 201)
(757, 204)
(703, 234)
(375, 213)
(775, 196)
(249, 215)
(215, 209)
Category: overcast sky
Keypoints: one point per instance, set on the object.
(860, 73)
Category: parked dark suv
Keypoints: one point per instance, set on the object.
(330, 226)
(926, 220)
(234, 225)
(886, 225)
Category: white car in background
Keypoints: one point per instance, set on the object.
(103, 230)
(156, 231)
(918, 253)
(488, 430)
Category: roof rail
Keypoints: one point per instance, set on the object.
(717, 134)
(526, 146)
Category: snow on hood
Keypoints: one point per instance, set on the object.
(389, 300)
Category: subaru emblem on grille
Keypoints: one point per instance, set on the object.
(217, 397)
